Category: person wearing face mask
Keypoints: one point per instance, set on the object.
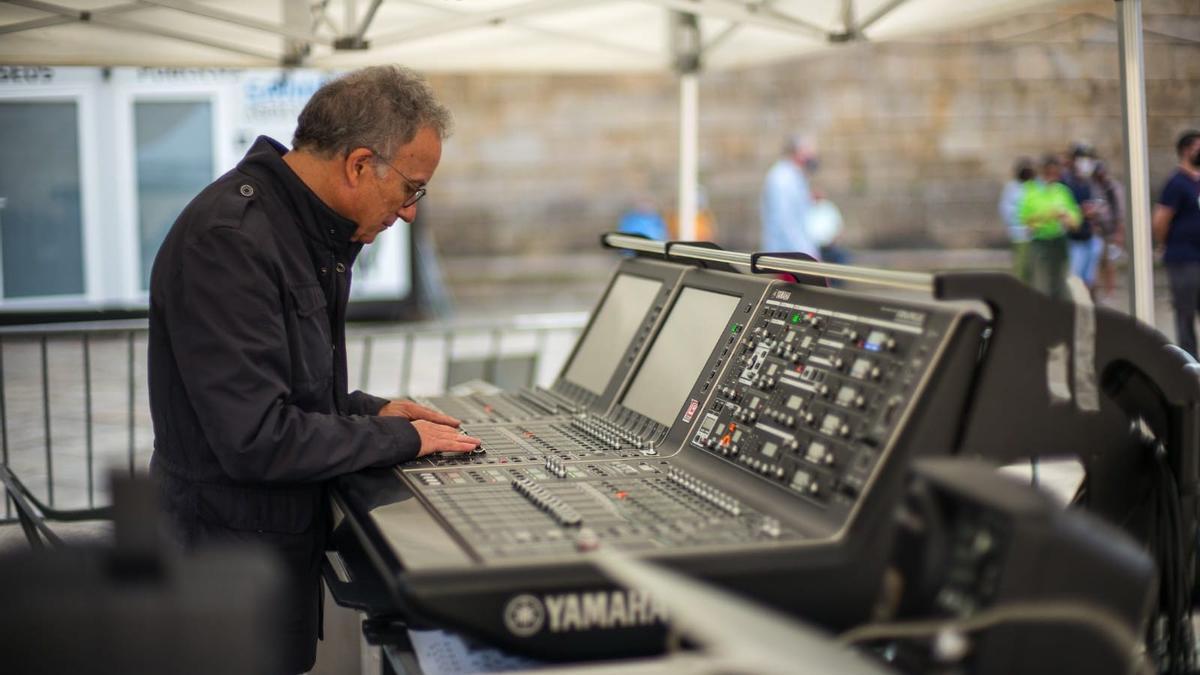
(247, 353)
(1176, 225)
(787, 200)
(1083, 246)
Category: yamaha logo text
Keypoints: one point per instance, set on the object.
(526, 615)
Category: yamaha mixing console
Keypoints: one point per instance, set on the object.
(758, 441)
(627, 313)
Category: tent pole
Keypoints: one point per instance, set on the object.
(688, 153)
(686, 48)
(1137, 179)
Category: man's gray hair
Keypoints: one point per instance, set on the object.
(380, 108)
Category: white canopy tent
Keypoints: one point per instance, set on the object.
(536, 35)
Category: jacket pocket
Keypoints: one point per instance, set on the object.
(309, 339)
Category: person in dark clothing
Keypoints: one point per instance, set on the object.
(1176, 223)
(247, 354)
(1084, 246)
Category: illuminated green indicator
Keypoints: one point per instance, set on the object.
(795, 318)
(735, 328)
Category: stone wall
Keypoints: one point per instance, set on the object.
(916, 137)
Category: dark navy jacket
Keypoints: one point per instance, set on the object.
(247, 374)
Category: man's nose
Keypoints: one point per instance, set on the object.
(407, 213)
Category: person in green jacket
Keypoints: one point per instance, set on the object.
(1049, 210)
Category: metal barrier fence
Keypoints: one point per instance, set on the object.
(74, 404)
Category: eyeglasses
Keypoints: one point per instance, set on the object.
(418, 191)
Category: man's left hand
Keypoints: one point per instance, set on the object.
(415, 411)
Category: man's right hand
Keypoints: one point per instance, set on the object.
(441, 438)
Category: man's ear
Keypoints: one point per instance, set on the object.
(356, 164)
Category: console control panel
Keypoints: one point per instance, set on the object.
(818, 389)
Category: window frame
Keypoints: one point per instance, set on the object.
(126, 95)
(83, 92)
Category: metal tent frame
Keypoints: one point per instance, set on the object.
(305, 24)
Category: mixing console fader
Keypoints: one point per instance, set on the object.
(559, 508)
(523, 404)
(581, 437)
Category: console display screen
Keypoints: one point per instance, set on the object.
(692, 328)
(601, 348)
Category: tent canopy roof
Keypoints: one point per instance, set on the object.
(445, 35)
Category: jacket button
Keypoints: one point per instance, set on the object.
(246, 190)
(324, 271)
(341, 268)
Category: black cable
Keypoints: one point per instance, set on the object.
(1169, 543)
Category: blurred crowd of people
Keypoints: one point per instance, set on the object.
(1065, 216)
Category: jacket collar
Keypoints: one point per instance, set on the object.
(264, 161)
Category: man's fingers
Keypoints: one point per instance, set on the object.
(459, 445)
(442, 438)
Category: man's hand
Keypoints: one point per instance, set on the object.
(414, 411)
(441, 438)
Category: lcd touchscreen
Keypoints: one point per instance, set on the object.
(689, 333)
(610, 333)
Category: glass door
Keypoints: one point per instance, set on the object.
(41, 221)
(173, 148)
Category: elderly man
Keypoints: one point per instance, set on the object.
(787, 199)
(247, 357)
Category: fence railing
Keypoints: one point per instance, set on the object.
(74, 403)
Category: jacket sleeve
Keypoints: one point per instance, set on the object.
(362, 403)
(228, 336)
